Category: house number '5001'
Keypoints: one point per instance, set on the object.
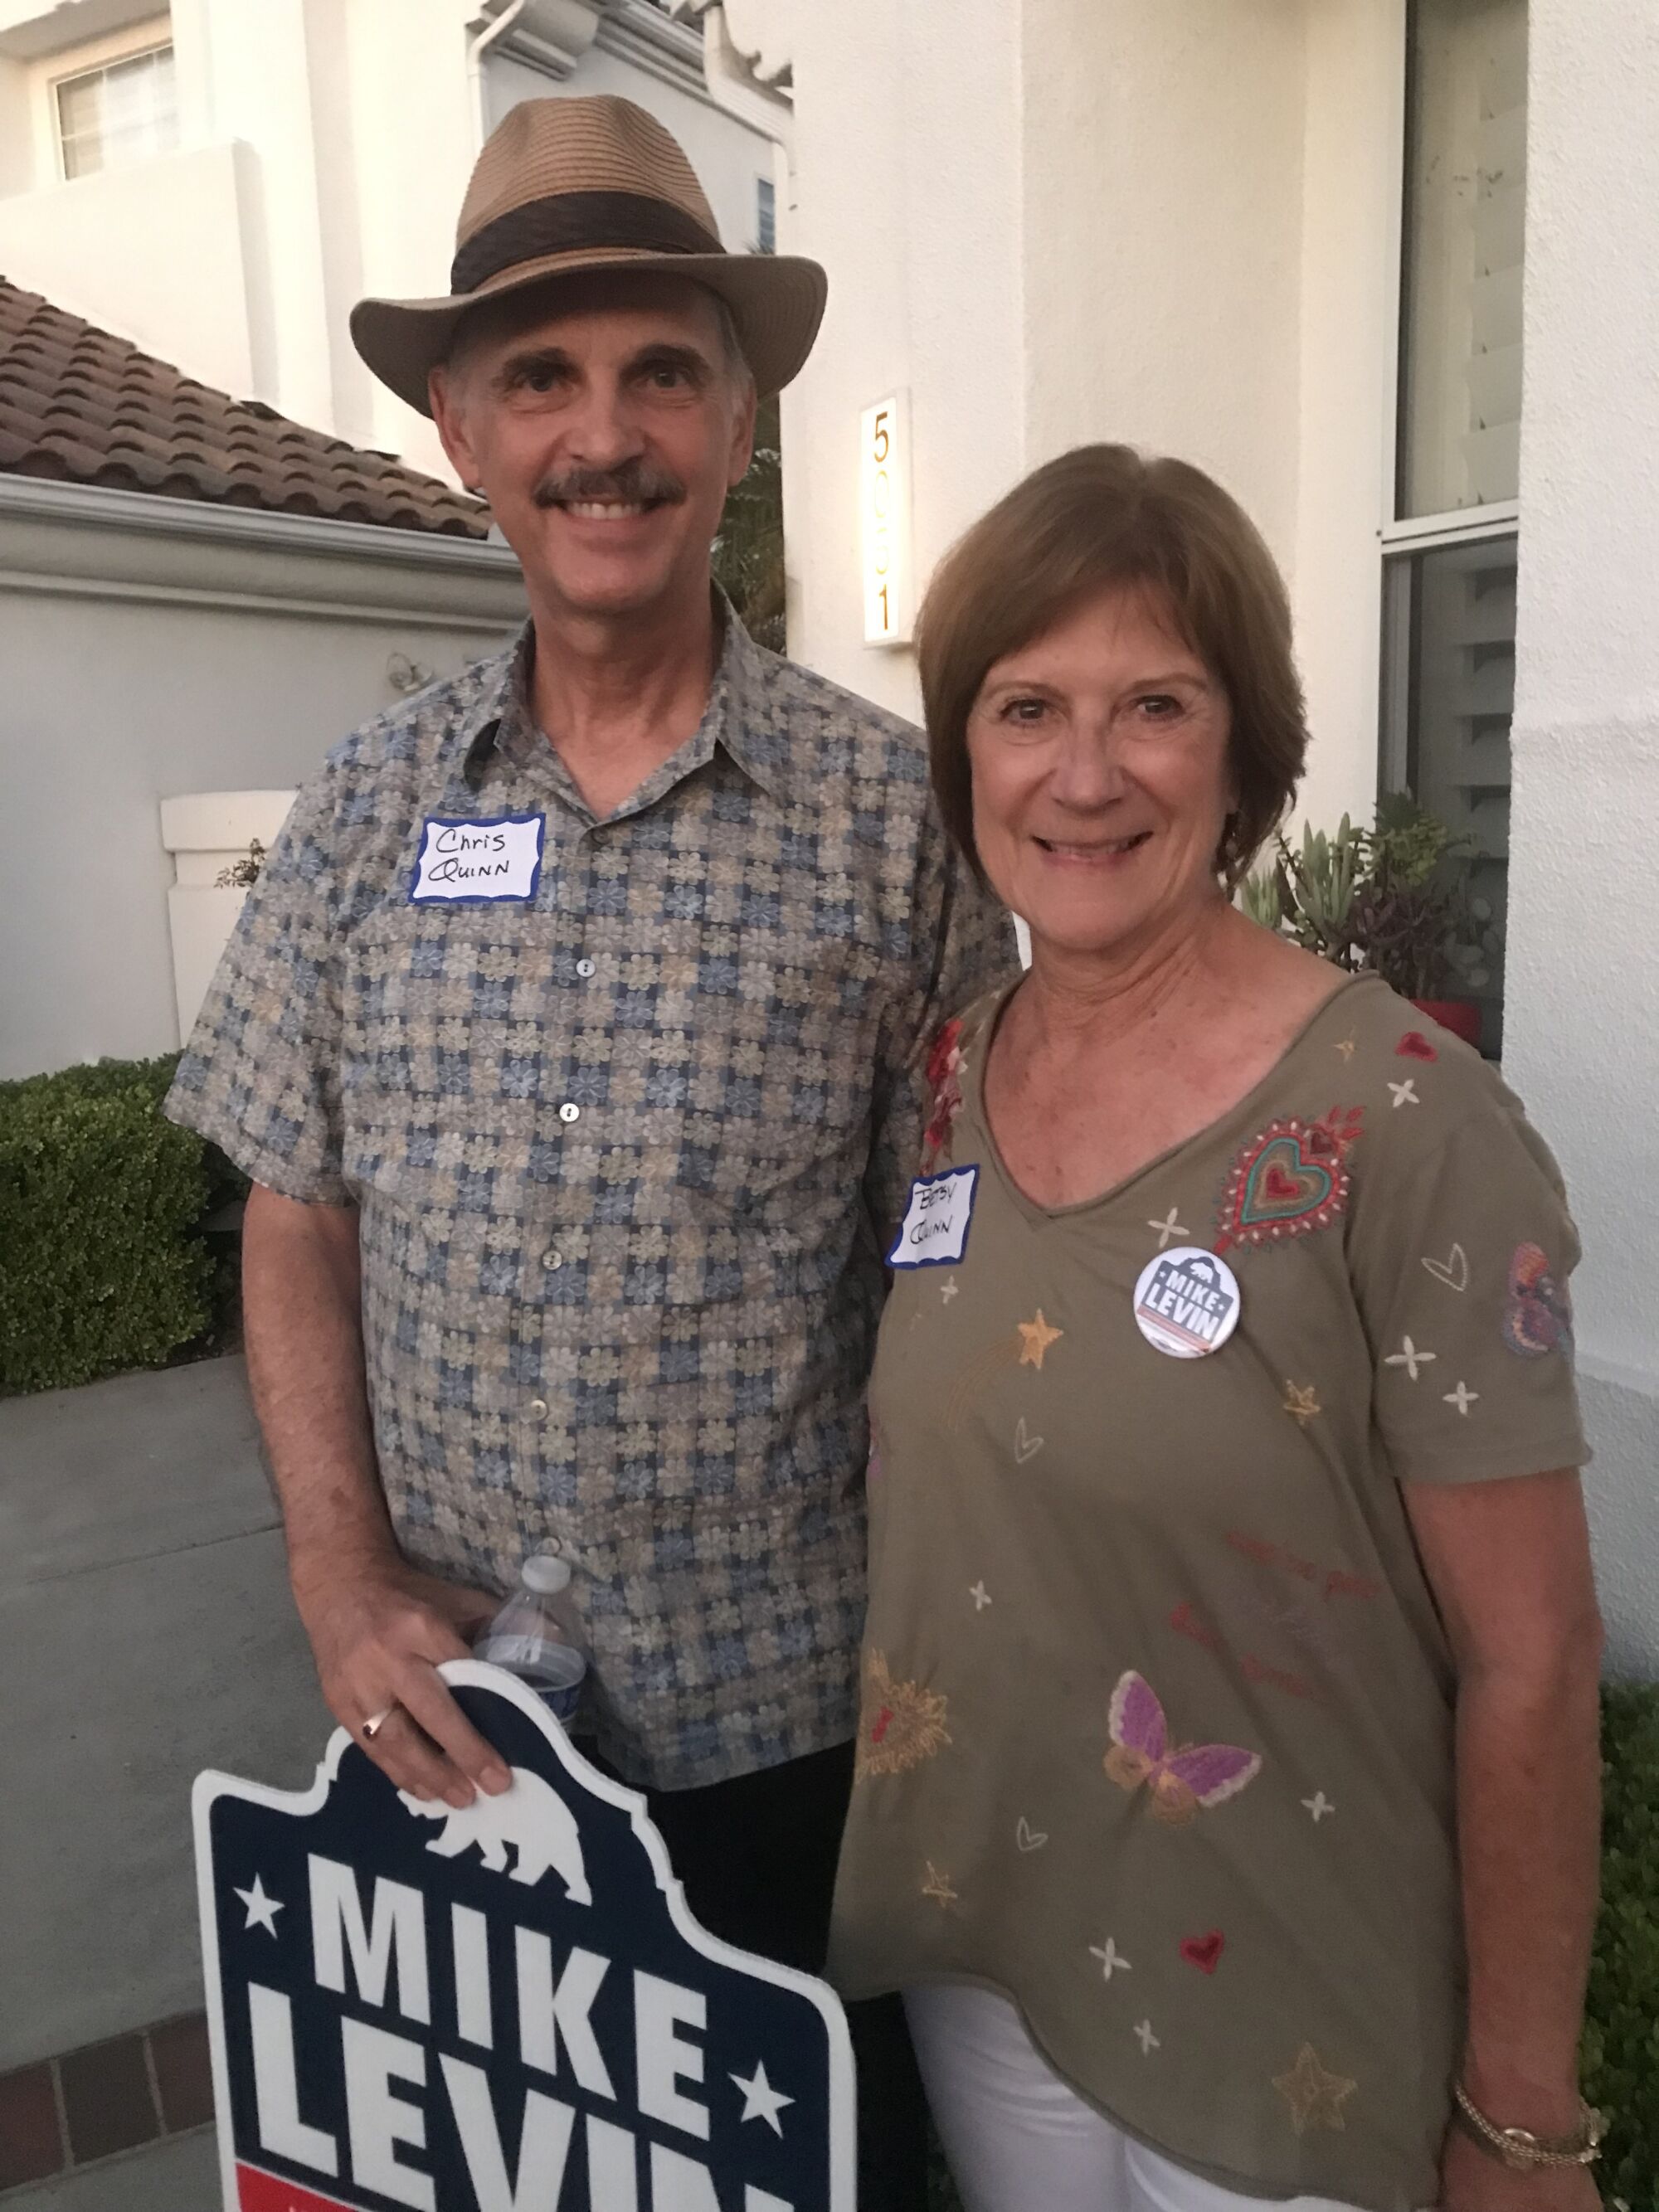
(884, 503)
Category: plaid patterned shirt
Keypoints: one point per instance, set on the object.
(624, 1151)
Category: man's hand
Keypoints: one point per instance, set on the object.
(1470, 2181)
(380, 1629)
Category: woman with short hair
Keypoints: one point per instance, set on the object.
(1228, 1755)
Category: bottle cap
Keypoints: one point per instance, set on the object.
(545, 1573)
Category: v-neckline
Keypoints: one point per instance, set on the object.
(1242, 1108)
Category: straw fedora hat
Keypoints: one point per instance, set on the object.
(567, 185)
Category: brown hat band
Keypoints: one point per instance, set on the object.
(575, 222)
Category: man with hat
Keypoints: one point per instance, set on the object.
(568, 1038)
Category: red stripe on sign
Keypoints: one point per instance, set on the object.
(258, 2192)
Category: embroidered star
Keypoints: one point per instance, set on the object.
(1405, 1093)
(760, 2101)
(1346, 1046)
(1167, 1228)
(981, 1597)
(1035, 1337)
(1410, 1358)
(1149, 2042)
(949, 1291)
(1462, 1397)
(937, 1884)
(1111, 1962)
(1314, 2095)
(1300, 1402)
(1319, 1805)
(262, 1911)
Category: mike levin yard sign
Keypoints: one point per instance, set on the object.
(505, 2010)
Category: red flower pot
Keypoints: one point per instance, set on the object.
(1461, 1016)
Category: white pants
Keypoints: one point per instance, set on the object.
(1019, 2139)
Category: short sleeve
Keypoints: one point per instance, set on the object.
(260, 1076)
(963, 945)
(1460, 1261)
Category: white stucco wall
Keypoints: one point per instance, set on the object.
(914, 205)
(90, 247)
(1163, 217)
(1582, 1043)
(137, 668)
(1354, 119)
(1172, 226)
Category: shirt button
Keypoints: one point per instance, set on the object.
(584, 969)
(569, 1113)
(552, 1260)
(538, 1409)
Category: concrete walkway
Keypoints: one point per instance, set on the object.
(146, 1632)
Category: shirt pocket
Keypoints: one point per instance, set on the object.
(455, 1034)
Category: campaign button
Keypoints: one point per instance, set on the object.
(1186, 1302)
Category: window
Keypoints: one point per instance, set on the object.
(766, 215)
(120, 113)
(1450, 547)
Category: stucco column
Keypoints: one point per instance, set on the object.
(1582, 1044)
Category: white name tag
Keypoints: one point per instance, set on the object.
(470, 863)
(935, 1230)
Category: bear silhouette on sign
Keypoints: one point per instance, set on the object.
(531, 1816)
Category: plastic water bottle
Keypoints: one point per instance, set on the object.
(536, 1637)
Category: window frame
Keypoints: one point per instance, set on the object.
(1401, 538)
(83, 61)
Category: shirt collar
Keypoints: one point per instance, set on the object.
(739, 717)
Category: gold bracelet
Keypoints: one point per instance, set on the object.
(1526, 2153)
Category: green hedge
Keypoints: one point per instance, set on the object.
(1622, 2039)
(105, 1260)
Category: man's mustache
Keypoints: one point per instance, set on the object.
(633, 483)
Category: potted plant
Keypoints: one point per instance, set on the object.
(1389, 899)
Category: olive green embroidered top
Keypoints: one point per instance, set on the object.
(1156, 1733)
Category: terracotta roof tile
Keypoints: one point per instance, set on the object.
(83, 406)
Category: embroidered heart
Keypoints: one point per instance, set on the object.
(1204, 1952)
(1028, 1838)
(1025, 1445)
(1290, 1180)
(1415, 1046)
(1453, 1271)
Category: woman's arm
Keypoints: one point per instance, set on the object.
(1508, 1564)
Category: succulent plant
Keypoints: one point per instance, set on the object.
(1391, 899)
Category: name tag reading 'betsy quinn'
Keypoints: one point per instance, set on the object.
(503, 2008)
(934, 1232)
(472, 863)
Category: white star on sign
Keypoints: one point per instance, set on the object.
(1410, 1358)
(1149, 2042)
(1462, 1397)
(949, 1290)
(1167, 1228)
(981, 1597)
(262, 1911)
(1110, 1963)
(1405, 1093)
(760, 2101)
(1319, 1804)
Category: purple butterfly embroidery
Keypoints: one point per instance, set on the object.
(1181, 1780)
(1538, 1316)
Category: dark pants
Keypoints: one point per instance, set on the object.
(756, 1859)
